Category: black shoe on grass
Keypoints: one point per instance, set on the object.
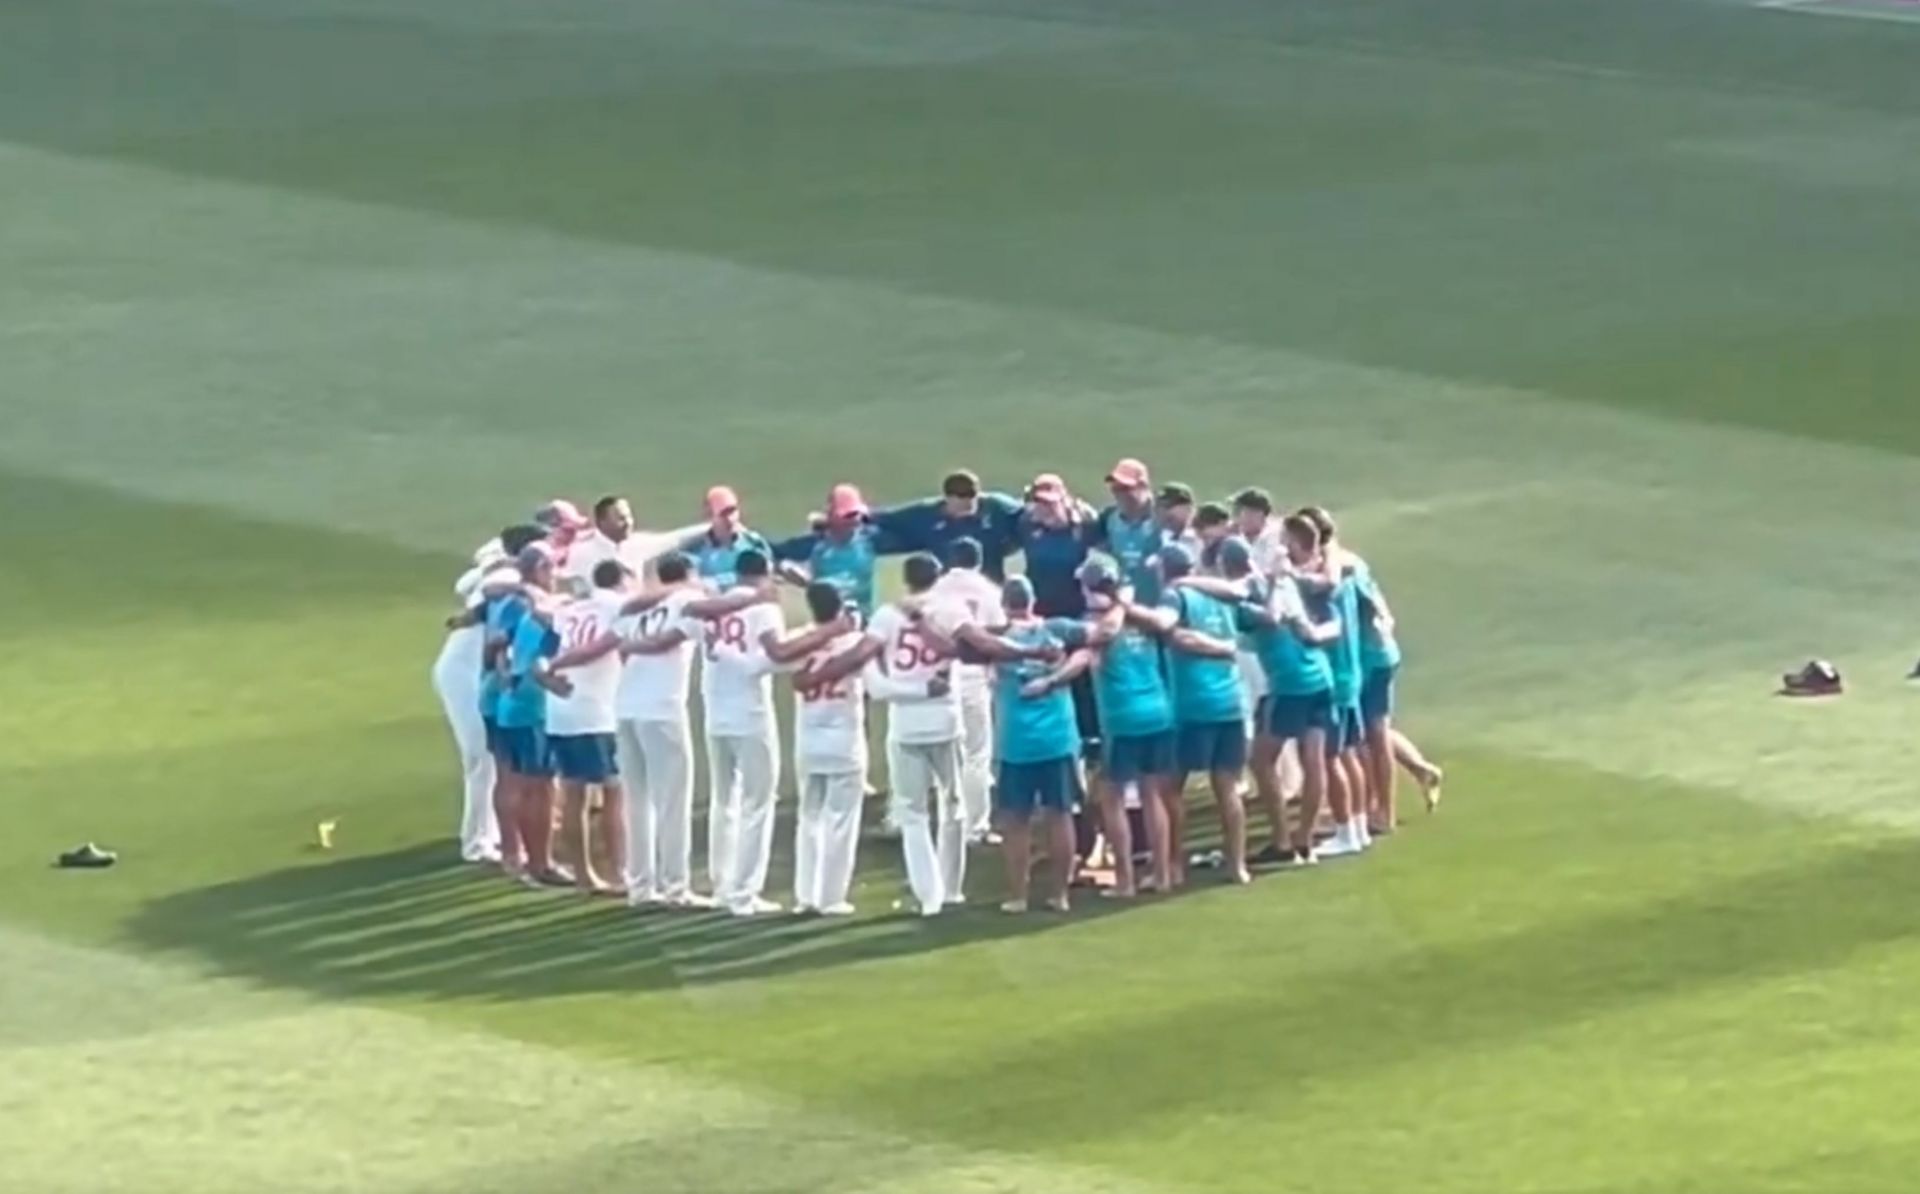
(88, 857)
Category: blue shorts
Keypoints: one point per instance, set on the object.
(524, 751)
(1290, 717)
(1213, 746)
(1346, 732)
(583, 758)
(494, 746)
(1131, 757)
(1023, 789)
(1376, 695)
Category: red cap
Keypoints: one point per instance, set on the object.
(1129, 474)
(721, 499)
(845, 502)
(1048, 487)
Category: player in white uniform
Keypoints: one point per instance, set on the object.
(613, 537)
(830, 755)
(963, 593)
(654, 742)
(914, 673)
(739, 652)
(456, 679)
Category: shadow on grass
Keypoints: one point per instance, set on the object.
(415, 922)
(1813, 913)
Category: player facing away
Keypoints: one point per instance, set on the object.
(964, 595)
(1208, 704)
(1136, 719)
(584, 679)
(523, 721)
(830, 756)
(654, 742)
(457, 680)
(740, 651)
(1039, 774)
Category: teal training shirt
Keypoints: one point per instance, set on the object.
(1206, 690)
(524, 703)
(1378, 647)
(719, 563)
(1136, 548)
(1294, 667)
(1130, 686)
(1344, 653)
(1034, 729)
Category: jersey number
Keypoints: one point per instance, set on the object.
(911, 652)
(729, 632)
(581, 631)
(834, 690)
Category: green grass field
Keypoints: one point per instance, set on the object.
(1595, 321)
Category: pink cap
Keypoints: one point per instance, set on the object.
(1129, 474)
(721, 499)
(561, 513)
(1048, 487)
(845, 502)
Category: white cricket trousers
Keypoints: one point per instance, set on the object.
(926, 805)
(456, 678)
(656, 761)
(976, 758)
(743, 773)
(826, 837)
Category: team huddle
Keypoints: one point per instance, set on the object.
(1061, 711)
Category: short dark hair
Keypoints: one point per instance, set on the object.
(673, 567)
(960, 483)
(1212, 514)
(964, 552)
(1253, 498)
(1174, 494)
(605, 504)
(609, 574)
(1303, 527)
(752, 564)
(514, 539)
(920, 570)
(1321, 520)
(825, 601)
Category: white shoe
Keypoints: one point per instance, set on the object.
(930, 910)
(643, 897)
(689, 901)
(956, 901)
(837, 910)
(805, 910)
(1343, 844)
(1362, 835)
(753, 906)
(481, 854)
(1296, 860)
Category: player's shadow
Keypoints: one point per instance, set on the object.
(417, 922)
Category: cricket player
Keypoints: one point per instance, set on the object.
(613, 537)
(1176, 511)
(1275, 764)
(564, 525)
(1293, 652)
(457, 681)
(1379, 664)
(843, 550)
(962, 511)
(830, 755)
(1208, 702)
(654, 742)
(716, 551)
(584, 679)
(522, 718)
(1330, 587)
(1136, 717)
(740, 650)
(1039, 773)
(1131, 530)
(964, 594)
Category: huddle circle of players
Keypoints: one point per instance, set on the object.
(1144, 643)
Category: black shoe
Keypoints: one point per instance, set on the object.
(88, 857)
(1915, 673)
(1818, 678)
(1270, 856)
